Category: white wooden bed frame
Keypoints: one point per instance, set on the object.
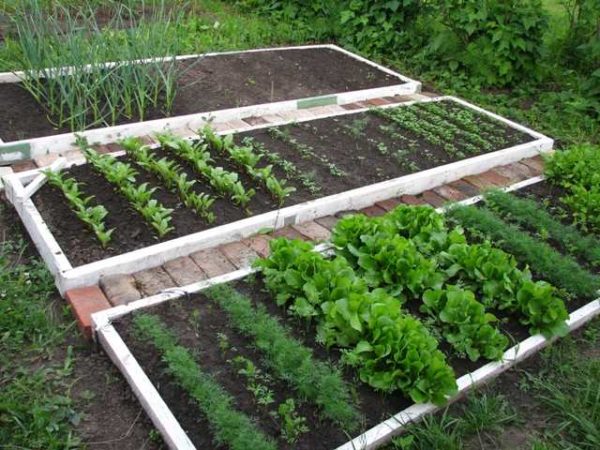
(20, 186)
(60, 143)
(176, 438)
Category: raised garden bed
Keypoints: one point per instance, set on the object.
(336, 163)
(224, 327)
(224, 86)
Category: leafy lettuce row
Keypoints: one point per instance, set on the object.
(390, 349)
(411, 250)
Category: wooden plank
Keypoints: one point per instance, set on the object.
(40, 180)
(158, 411)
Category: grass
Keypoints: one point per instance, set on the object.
(36, 410)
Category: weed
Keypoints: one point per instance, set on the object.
(293, 425)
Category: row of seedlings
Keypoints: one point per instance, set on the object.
(223, 178)
(385, 143)
(168, 175)
(551, 225)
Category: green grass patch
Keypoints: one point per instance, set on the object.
(35, 408)
(230, 427)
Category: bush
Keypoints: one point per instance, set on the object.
(377, 27)
(495, 42)
(318, 18)
(580, 47)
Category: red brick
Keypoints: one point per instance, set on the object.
(433, 199)
(313, 231)
(45, 160)
(327, 221)
(429, 94)
(528, 171)
(345, 213)
(494, 178)
(213, 262)
(466, 188)
(512, 172)
(379, 101)
(239, 254)
(184, 271)
(288, 232)
(85, 302)
(373, 211)
(153, 281)
(399, 98)
(255, 120)
(259, 243)
(73, 155)
(411, 200)
(478, 182)
(508, 172)
(351, 106)
(449, 193)
(120, 289)
(22, 166)
(113, 148)
(389, 204)
(536, 163)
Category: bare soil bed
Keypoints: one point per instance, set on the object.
(330, 156)
(220, 82)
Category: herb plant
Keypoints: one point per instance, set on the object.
(228, 425)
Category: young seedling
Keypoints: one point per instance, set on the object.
(92, 216)
(170, 173)
(226, 183)
(123, 177)
(293, 425)
(247, 159)
(257, 381)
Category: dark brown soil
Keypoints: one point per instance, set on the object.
(356, 162)
(220, 82)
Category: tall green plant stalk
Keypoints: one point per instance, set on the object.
(88, 92)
